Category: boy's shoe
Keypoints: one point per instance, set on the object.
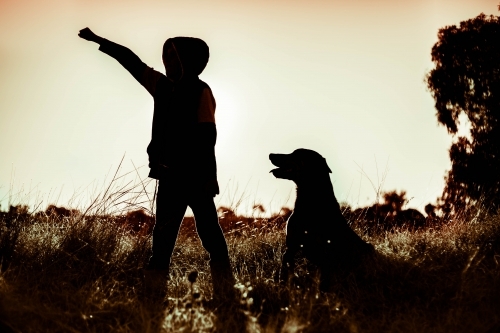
(223, 282)
(155, 285)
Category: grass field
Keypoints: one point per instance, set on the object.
(83, 274)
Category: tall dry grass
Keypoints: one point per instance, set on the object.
(82, 273)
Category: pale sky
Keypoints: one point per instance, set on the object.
(345, 78)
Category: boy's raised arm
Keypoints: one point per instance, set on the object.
(123, 55)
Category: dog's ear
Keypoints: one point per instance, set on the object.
(326, 165)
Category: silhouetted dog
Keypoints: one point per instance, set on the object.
(317, 229)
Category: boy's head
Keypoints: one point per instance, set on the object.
(184, 57)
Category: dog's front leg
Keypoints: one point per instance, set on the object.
(288, 263)
(287, 266)
(292, 242)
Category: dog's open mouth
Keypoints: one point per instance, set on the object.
(282, 173)
(281, 170)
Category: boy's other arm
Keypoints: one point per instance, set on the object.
(123, 55)
(207, 135)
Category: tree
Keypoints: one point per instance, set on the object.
(394, 201)
(466, 80)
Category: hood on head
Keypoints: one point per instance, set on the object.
(193, 54)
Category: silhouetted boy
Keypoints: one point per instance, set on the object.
(181, 154)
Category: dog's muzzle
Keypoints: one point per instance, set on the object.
(284, 169)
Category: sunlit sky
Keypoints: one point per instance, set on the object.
(345, 78)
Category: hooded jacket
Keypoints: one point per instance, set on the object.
(183, 131)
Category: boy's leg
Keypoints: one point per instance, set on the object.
(212, 239)
(170, 209)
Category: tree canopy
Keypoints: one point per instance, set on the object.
(466, 80)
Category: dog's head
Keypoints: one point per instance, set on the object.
(302, 163)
